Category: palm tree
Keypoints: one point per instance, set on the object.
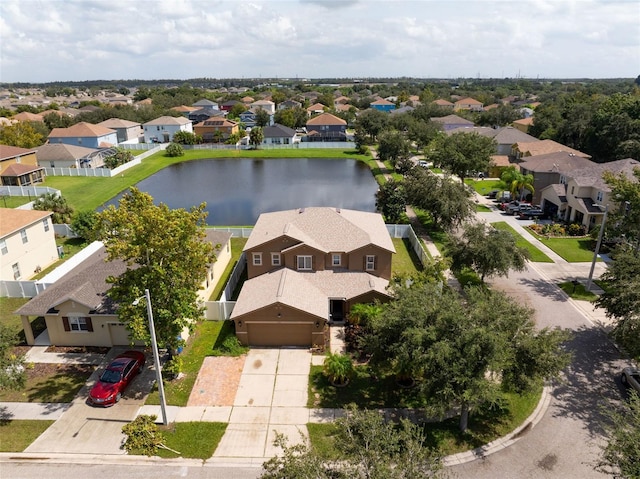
(515, 182)
(524, 182)
(55, 203)
(338, 368)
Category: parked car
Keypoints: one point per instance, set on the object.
(423, 163)
(530, 213)
(516, 207)
(116, 377)
(631, 378)
(505, 197)
(493, 194)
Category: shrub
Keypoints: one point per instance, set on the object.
(119, 157)
(173, 149)
(576, 229)
(338, 368)
(143, 436)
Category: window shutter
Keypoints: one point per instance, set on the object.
(89, 325)
(65, 323)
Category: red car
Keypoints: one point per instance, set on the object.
(116, 377)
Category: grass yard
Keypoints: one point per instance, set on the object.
(535, 254)
(577, 291)
(211, 338)
(15, 201)
(88, 193)
(15, 436)
(573, 250)
(14, 322)
(484, 427)
(405, 261)
(437, 235)
(195, 440)
(71, 246)
(57, 383)
(483, 186)
(237, 244)
(483, 209)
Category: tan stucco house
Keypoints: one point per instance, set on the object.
(27, 243)
(77, 310)
(19, 166)
(307, 267)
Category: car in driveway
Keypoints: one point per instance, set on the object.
(631, 378)
(515, 207)
(116, 377)
(530, 213)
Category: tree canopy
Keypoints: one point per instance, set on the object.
(463, 153)
(393, 146)
(391, 200)
(55, 203)
(463, 350)
(625, 220)
(486, 250)
(12, 375)
(620, 455)
(166, 252)
(23, 134)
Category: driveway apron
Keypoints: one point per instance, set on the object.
(271, 397)
(84, 429)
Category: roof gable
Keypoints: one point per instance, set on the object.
(326, 119)
(12, 220)
(81, 130)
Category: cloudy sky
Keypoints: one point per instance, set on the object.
(58, 40)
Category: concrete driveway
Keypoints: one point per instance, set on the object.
(90, 430)
(271, 397)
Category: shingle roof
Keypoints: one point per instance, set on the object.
(305, 291)
(7, 152)
(326, 119)
(542, 147)
(168, 120)
(468, 101)
(19, 169)
(12, 220)
(592, 174)
(278, 131)
(560, 162)
(62, 151)
(82, 129)
(441, 102)
(452, 120)
(327, 229)
(114, 123)
(382, 101)
(185, 109)
(204, 102)
(27, 116)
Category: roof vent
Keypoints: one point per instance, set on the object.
(301, 210)
(338, 210)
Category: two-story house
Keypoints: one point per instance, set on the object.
(27, 243)
(383, 105)
(19, 166)
(126, 131)
(216, 129)
(307, 267)
(85, 134)
(326, 127)
(581, 194)
(470, 104)
(266, 105)
(161, 130)
(451, 122)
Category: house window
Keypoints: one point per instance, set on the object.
(257, 259)
(45, 223)
(572, 188)
(23, 235)
(16, 271)
(17, 159)
(275, 259)
(370, 262)
(599, 196)
(563, 180)
(3, 246)
(304, 263)
(336, 259)
(79, 141)
(78, 323)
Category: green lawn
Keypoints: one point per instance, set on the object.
(484, 427)
(483, 186)
(57, 383)
(573, 250)
(237, 244)
(15, 201)
(482, 209)
(577, 291)
(88, 193)
(70, 246)
(405, 261)
(210, 338)
(196, 440)
(535, 254)
(15, 436)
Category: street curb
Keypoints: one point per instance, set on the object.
(505, 441)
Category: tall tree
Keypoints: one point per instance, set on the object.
(625, 219)
(393, 146)
(262, 118)
(486, 250)
(22, 134)
(371, 123)
(621, 298)
(463, 153)
(448, 204)
(458, 347)
(55, 203)
(167, 253)
(620, 457)
(391, 201)
(256, 136)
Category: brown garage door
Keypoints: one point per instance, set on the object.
(279, 334)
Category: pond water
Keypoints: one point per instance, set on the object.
(237, 191)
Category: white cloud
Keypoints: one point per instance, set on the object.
(112, 39)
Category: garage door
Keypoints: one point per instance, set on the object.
(119, 334)
(279, 334)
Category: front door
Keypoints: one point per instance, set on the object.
(336, 310)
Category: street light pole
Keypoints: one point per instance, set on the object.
(156, 358)
(597, 250)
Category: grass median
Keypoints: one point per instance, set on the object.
(535, 255)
